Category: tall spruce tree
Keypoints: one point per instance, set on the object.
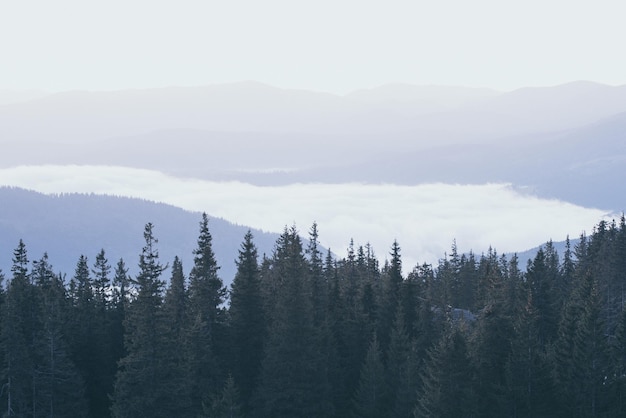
(447, 389)
(371, 393)
(58, 389)
(175, 320)
(392, 282)
(582, 353)
(89, 334)
(490, 348)
(20, 325)
(117, 313)
(402, 377)
(247, 322)
(176, 302)
(293, 377)
(139, 387)
(226, 404)
(106, 362)
(206, 334)
(319, 287)
(529, 381)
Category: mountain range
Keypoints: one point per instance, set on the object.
(566, 142)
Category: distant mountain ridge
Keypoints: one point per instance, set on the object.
(563, 142)
(66, 226)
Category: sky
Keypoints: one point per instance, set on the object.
(336, 46)
(424, 219)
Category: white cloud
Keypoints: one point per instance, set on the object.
(423, 218)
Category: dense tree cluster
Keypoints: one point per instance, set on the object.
(301, 333)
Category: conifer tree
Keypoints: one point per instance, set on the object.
(530, 389)
(226, 404)
(339, 372)
(175, 320)
(617, 374)
(566, 276)
(426, 327)
(90, 345)
(20, 325)
(206, 334)
(206, 290)
(490, 349)
(101, 282)
(582, 352)
(401, 371)
(247, 321)
(319, 287)
(117, 314)
(372, 389)
(139, 387)
(447, 389)
(293, 377)
(392, 281)
(176, 302)
(547, 292)
(58, 388)
(104, 353)
(354, 308)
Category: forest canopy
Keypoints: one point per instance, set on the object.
(304, 333)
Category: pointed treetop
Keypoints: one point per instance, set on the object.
(20, 261)
(205, 264)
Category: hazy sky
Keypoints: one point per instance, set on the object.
(424, 218)
(336, 45)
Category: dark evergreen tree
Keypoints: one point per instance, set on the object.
(104, 353)
(90, 342)
(58, 389)
(141, 386)
(542, 279)
(369, 399)
(226, 404)
(402, 379)
(294, 379)
(206, 335)
(582, 353)
(101, 283)
(530, 389)
(176, 302)
(491, 341)
(617, 375)
(338, 371)
(447, 389)
(247, 321)
(468, 282)
(19, 330)
(206, 290)
(175, 320)
(392, 281)
(354, 309)
(117, 313)
(425, 330)
(319, 287)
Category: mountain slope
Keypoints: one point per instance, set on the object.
(67, 226)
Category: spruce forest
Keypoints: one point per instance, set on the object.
(304, 333)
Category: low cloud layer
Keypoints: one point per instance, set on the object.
(424, 218)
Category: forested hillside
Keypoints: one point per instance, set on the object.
(68, 225)
(302, 333)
